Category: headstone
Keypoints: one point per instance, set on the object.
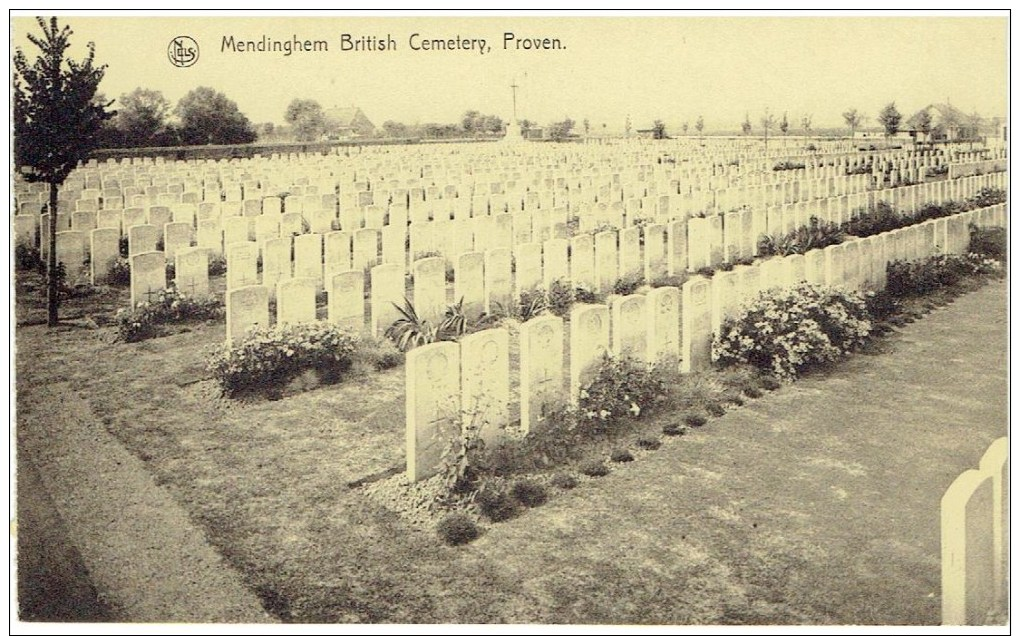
(191, 271)
(430, 288)
(630, 253)
(71, 252)
(347, 300)
(541, 365)
(469, 283)
(176, 236)
(387, 289)
(699, 243)
(589, 342)
(366, 248)
(210, 236)
(247, 307)
(295, 301)
(432, 405)
(629, 327)
(485, 382)
(242, 265)
(528, 267)
(663, 324)
(148, 277)
(968, 550)
(582, 261)
(498, 288)
(676, 247)
(141, 239)
(308, 257)
(555, 263)
(235, 230)
(655, 252)
(696, 316)
(104, 253)
(276, 261)
(606, 264)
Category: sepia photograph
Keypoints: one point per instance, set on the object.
(581, 320)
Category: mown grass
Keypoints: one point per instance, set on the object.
(726, 524)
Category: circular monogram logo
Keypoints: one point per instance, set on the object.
(183, 51)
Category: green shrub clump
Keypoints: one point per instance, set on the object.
(267, 358)
(989, 242)
(149, 319)
(648, 443)
(816, 235)
(119, 274)
(564, 481)
(594, 468)
(457, 529)
(620, 389)
(789, 329)
(673, 429)
(621, 455)
(919, 278)
(495, 503)
(529, 493)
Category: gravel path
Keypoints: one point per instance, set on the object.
(147, 561)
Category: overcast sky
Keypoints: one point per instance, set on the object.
(670, 68)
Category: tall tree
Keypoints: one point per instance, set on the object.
(746, 125)
(853, 119)
(57, 123)
(209, 117)
(768, 122)
(306, 118)
(924, 123)
(658, 129)
(686, 125)
(890, 118)
(700, 124)
(142, 118)
(560, 130)
(805, 123)
(784, 125)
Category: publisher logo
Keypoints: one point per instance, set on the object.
(183, 51)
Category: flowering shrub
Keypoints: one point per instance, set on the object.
(119, 274)
(267, 358)
(786, 330)
(904, 280)
(621, 388)
(148, 318)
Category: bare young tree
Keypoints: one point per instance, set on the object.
(768, 122)
(805, 123)
(746, 126)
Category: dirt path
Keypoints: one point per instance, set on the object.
(144, 557)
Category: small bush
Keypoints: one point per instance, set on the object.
(673, 429)
(787, 165)
(648, 443)
(770, 383)
(380, 354)
(122, 246)
(695, 420)
(267, 358)
(621, 455)
(816, 235)
(529, 493)
(532, 303)
(715, 409)
(27, 259)
(119, 274)
(789, 329)
(668, 281)
(495, 503)
(989, 242)
(594, 468)
(560, 298)
(621, 389)
(588, 297)
(149, 319)
(753, 392)
(457, 529)
(907, 280)
(564, 481)
(628, 284)
(217, 265)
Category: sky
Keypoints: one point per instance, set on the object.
(606, 69)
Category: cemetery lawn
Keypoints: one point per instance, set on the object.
(814, 504)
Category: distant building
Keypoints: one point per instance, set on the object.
(947, 123)
(349, 121)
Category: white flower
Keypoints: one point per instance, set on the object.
(635, 409)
